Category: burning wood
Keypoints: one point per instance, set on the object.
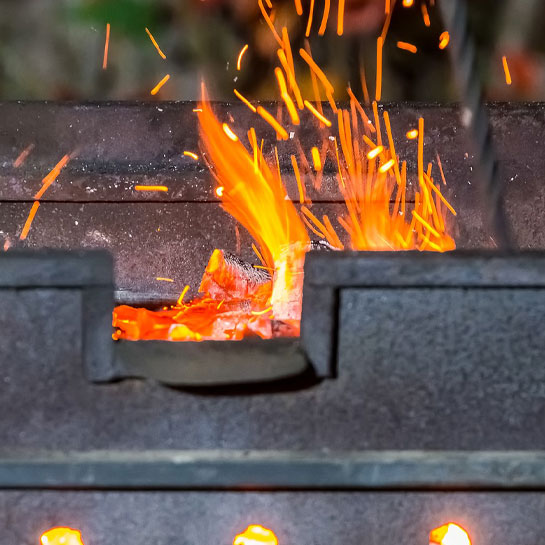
(235, 303)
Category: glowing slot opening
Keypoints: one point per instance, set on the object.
(449, 534)
(61, 536)
(256, 534)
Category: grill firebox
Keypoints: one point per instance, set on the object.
(414, 397)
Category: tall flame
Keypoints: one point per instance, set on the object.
(253, 193)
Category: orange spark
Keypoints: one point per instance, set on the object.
(219, 191)
(359, 107)
(29, 220)
(240, 55)
(425, 14)
(449, 534)
(408, 3)
(298, 7)
(163, 279)
(340, 18)
(269, 22)
(317, 114)
(420, 157)
(310, 16)
(378, 92)
(156, 89)
(23, 156)
(51, 177)
(245, 100)
(261, 312)
(317, 70)
(386, 166)
(197, 110)
(375, 152)
(286, 58)
(316, 158)
(286, 97)
(506, 70)
(182, 295)
(228, 131)
(191, 154)
(325, 17)
(441, 169)
(407, 47)
(106, 47)
(162, 188)
(153, 41)
(280, 131)
(412, 134)
(61, 536)
(444, 39)
(256, 535)
(300, 186)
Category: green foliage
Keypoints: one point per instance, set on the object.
(129, 17)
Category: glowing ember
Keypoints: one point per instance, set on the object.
(449, 534)
(407, 47)
(162, 188)
(61, 536)
(425, 14)
(256, 535)
(444, 40)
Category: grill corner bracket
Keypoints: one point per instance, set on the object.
(87, 273)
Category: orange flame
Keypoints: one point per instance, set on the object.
(449, 534)
(385, 208)
(61, 536)
(252, 193)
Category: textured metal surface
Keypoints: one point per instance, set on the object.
(389, 394)
(274, 470)
(210, 363)
(317, 518)
(464, 58)
(86, 276)
(55, 269)
(488, 304)
(123, 144)
(175, 240)
(159, 236)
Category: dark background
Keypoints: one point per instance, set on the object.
(53, 49)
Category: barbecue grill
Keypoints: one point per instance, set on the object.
(414, 396)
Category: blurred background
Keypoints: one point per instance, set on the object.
(53, 49)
